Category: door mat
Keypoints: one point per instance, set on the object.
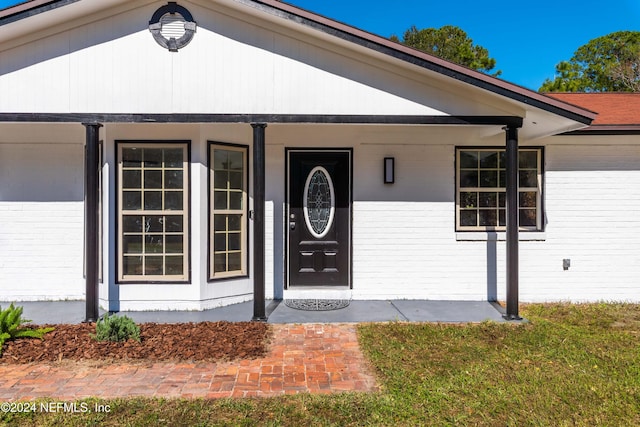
(317, 304)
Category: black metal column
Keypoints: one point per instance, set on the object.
(512, 223)
(259, 312)
(91, 218)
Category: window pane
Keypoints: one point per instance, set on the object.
(173, 223)
(489, 159)
(502, 183)
(173, 157)
(153, 224)
(235, 222)
(152, 179)
(528, 199)
(235, 160)
(153, 200)
(220, 200)
(220, 222)
(220, 262)
(468, 159)
(173, 265)
(235, 180)
(153, 244)
(132, 265)
(528, 218)
(132, 224)
(173, 179)
(131, 179)
(528, 179)
(220, 242)
(502, 199)
(173, 244)
(220, 179)
(132, 244)
(131, 157)
(173, 200)
(502, 217)
(152, 157)
(469, 178)
(235, 200)
(131, 200)
(488, 200)
(488, 217)
(488, 179)
(468, 200)
(220, 159)
(235, 261)
(235, 243)
(469, 218)
(153, 265)
(528, 159)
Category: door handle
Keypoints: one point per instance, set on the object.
(292, 225)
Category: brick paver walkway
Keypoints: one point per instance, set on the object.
(312, 358)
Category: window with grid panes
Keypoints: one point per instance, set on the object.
(481, 189)
(228, 217)
(153, 212)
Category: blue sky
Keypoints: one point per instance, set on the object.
(527, 39)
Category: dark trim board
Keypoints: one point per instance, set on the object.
(512, 121)
(33, 10)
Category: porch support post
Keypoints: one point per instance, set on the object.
(512, 223)
(91, 218)
(259, 312)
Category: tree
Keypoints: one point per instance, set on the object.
(609, 63)
(450, 43)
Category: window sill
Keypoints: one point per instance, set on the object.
(500, 236)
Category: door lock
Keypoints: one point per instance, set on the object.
(292, 225)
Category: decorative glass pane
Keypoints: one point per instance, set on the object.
(220, 222)
(220, 200)
(173, 200)
(220, 262)
(469, 178)
(220, 242)
(235, 180)
(528, 159)
(235, 160)
(220, 179)
(469, 218)
(318, 202)
(235, 222)
(220, 159)
(131, 200)
(235, 200)
(152, 179)
(488, 159)
(153, 200)
(468, 159)
(235, 243)
(131, 179)
(235, 261)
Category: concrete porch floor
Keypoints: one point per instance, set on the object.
(42, 312)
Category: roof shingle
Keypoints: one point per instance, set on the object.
(612, 108)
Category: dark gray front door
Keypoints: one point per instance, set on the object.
(319, 218)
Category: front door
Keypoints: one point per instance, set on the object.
(318, 218)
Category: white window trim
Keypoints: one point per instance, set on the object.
(121, 213)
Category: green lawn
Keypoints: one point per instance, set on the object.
(570, 365)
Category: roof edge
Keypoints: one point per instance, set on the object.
(30, 8)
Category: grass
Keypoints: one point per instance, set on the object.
(570, 365)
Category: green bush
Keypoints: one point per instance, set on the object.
(10, 326)
(116, 328)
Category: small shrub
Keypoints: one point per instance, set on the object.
(10, 326)
(116, 328)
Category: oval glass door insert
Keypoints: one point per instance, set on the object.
(319, 202)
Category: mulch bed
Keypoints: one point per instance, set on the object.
(203, 341)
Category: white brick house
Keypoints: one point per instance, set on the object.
(241, 149)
